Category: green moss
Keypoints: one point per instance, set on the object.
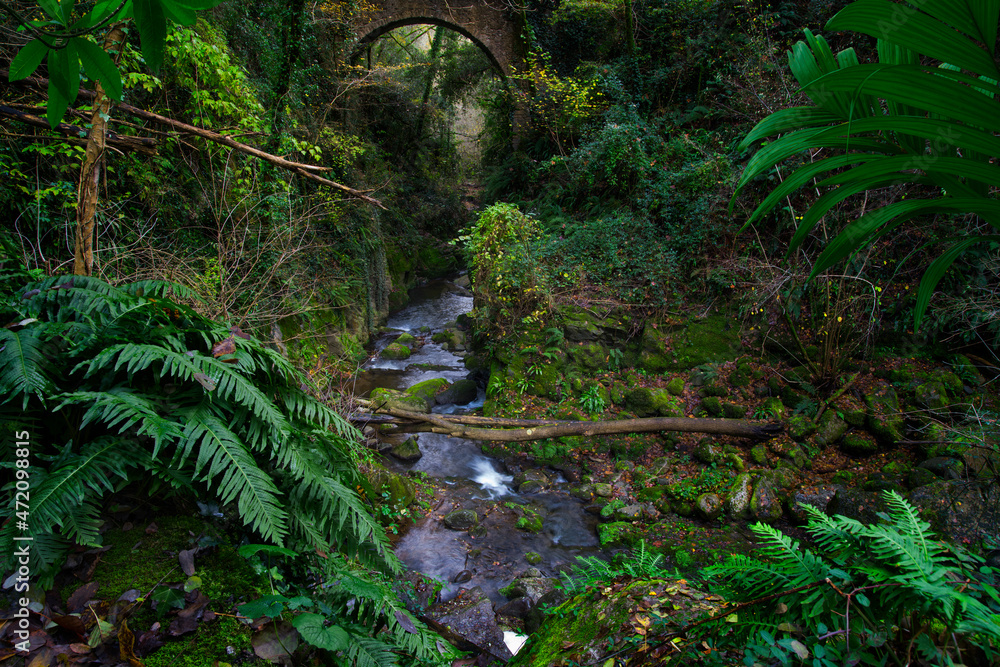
(618, 533)
(676, 386)
(712, 405)
(396, 351)
(530, 524)
(209, 645)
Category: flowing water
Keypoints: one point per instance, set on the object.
(472, 480)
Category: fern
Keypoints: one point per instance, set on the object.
(23, 369)
(139, 399)
(884, 577)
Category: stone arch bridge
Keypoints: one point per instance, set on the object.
(492, 25)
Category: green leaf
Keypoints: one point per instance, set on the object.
(152, 24)
(313, 629)
(28, 59)
(269, 605)
(54, 11)
(178, 13)
(248, 550)
(934, 273)
(102, 9)
(99, 67)
(918, 31)
(198, 4)
(862, 599)
(61, 89)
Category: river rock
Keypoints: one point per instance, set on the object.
(814, 496)
(407, 451)
(461, 519)
(468, 621)
(395, 351)
(518, 608)
(462, 577)
(945, 467)
(738, 496)
(398, 400)
(530, 585)
(462, 392)
(531, 481)
(603, 490)
(709, 506)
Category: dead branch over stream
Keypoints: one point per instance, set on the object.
(523, 430)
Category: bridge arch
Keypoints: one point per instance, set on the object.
(493, 25)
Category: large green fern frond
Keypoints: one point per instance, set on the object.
(23, 367)
(65, 495)
(120, 409)
(225, 463)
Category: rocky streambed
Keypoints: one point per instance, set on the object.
(524, 512)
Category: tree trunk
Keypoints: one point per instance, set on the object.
(90, 171)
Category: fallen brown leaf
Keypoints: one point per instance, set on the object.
(82, 596)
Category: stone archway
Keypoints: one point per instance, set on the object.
(495, 26)
(492, 25)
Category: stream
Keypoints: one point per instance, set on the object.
(470, 479)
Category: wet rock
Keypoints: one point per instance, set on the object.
(584, 492)
(944, 467)
(534, 619)
(450, 339)
(533, 557)
(603, 490)
(738, 496)
(709, 506)
(531, 481)
(461, 519)
(462, 577)
(864, 506)
(884, 417)
(858, 445)
(712, 405)
(765, 503)
(518, 608)
(427, 390)
(462, 392)
(469, 622)
(395, 351)
(960, 511)
(409, 450)
(831, 429)
(800, 427)
(406, 339)
(707, 451)
(396, 490)
(479, 532)
(530, 585)
(814, 496)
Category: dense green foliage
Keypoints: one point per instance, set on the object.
(865, 594)
(124, 386)
(899, 121)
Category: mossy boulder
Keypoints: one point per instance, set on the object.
(738, 496)
(766, 501)
(709, 506)
(800, 427)
(665, 404)
(733, 410)
(394, 489)
(399, 400)
(831, 429)
(395, 352)
(858, 445)
(406, 339)
(884, 417)
(408, 450)
(676, 386)
(450, 339)
(530, 524)
(707, 451)
(709, 340)
(589, 356)
(712, 405)
(427, 390)
(598, 624)
(618, 534)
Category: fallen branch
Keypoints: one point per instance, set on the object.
(452, 425)
(72, 132)
(305, 170)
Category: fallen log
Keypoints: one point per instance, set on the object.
(459, 426)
